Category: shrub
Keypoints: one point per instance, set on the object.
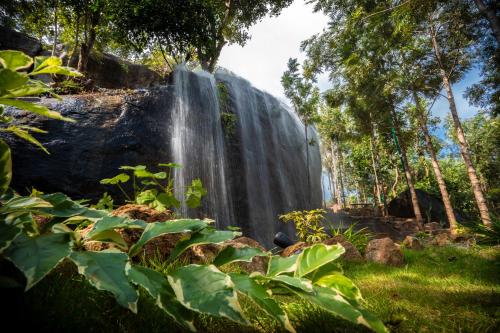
(308, 224)
(358, 238)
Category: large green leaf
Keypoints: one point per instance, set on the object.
(63, 206)
(35, 108)
(10, 79)
(23, 204)
(14, 60)
(279, 265)
(156, 284)
(157, 229)
(195, 193)
(292, 281)
(335, 303)
(205, 289)
(244, 284)
(206, 236)
(45, 61)
(105, 270)
(37, 256)
(5, 167)
(114, 222)
(231, 254)
(26, 90)
(342, 284)
(316, 256)
(8, 233)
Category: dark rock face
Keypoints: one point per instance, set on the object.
(13, 40)
(251, 176)
(108, 71)
(432, 208)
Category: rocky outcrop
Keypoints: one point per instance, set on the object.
(384, 251)
(432, 208)
(14, 40)
(251, 176)
(412, 243)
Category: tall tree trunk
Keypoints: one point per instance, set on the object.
(462, 142)
(341, 174)
(307, 166)
(435, 165)
(490, 13)
(88, 44)
(56, 28)
(336, 173)
(408, 173)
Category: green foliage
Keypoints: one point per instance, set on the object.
(485, 235)
(308, 224)
(15, 83)
(228, 121)
(358, 238)
(156, 189)
(200, 288)
(5, 167)
(105, 203)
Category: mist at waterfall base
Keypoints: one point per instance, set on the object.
(253, 172)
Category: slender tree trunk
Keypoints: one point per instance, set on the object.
(342, 192)
(490, 13)
(336, 173)
(462, 142)
(435, 165)
(396, 182)
(88, 44)
(56, 29)
(408, 173)
(307, 166)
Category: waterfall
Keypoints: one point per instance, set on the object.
(197, 144)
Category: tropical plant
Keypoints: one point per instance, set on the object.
(308, 224)
(16, 83)
(358, 238)
(156, 189)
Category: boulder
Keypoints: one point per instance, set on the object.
(432, 208)
(258, 264)
(294, 249)
(384, 251)
(413, 243)
(442, 239)
(14, 40)
(351, 252)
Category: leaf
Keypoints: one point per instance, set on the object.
(8, 233)
(5, 167)
(63, 206)
(157, 229)
(340, 283)
(142, 173)
(170, 165)
(195, 193)
(205, 289)
(105, 270)
(158, 287)
(55, 68)
(35, 108)
(299, 283)
(121, 178)
(15, 60)
(44, 61)
(25, 135)
(108, 223)
(10, 79)
(137, 167)
(205, 236)
(26, 90)
(244, 284)
(278, 265)
(316, 256)
(231, 254)
(111, 236)
(23, 204)
(37, 256)
(334, 303)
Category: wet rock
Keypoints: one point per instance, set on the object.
(413, 243)
(14, 40)
(294, 249)
(384, 251)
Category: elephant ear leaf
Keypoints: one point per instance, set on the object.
(37, 256)
(316, 256)
(105, 270)
(231, 254)
(14, 60)
(5, 167)
(205, 289)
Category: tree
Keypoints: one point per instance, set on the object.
(305, 100)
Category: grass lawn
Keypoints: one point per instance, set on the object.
(439, 290)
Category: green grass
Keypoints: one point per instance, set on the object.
(439, 290)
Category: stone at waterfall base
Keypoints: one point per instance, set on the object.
(411, 242)
(351, 253)
(384, 251)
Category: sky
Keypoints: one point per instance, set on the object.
(274, 40)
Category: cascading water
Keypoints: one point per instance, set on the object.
(197, 144)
